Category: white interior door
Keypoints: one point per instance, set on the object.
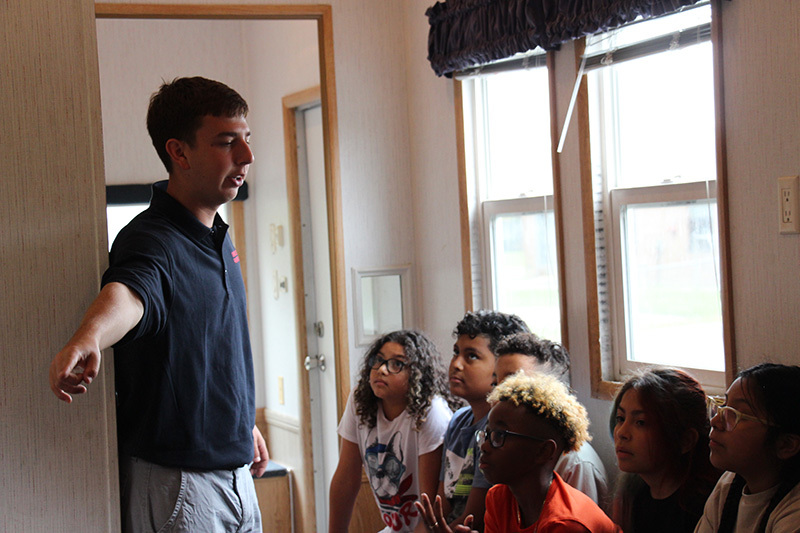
(319, 304)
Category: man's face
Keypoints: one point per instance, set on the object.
(218, 161)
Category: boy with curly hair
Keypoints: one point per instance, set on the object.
(583, 468)
(462, 486)
(533, 419)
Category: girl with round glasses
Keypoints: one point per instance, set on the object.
(393, 424)
(755, 436)
(660, 429)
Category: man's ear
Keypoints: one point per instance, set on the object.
(787, 446)
(176, 151)
(688, 440)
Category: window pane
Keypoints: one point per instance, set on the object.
(652, 132)
(517, 118)
(672, 296)
(663, 135)
(118, 217)
(525, 270)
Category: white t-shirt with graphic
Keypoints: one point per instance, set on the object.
(390, 453)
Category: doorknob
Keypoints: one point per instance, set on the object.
(315, 361)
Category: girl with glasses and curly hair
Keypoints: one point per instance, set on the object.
(394, 425)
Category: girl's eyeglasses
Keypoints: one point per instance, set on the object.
(497, 437)
(394, 366)
(730, 416)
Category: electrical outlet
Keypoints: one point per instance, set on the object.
(789, 207)
(281, 399)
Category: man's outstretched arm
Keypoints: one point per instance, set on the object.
(114, 312)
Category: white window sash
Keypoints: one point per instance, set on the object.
(618, 199)
(490, 209)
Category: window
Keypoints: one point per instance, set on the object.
(510, 184)
(652, 135)
(118, 216)
(124, 202)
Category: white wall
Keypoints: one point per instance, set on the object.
(135, 57)
(435, 186)
(762, 106)
(379, 219)
(282, 59)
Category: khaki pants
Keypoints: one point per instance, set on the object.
(159, 499)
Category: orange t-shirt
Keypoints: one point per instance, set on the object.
(565, 510)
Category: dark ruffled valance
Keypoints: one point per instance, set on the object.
(466, 33)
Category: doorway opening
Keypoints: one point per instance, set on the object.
(284, 407)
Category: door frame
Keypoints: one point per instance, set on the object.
(293, 103)
(326, 93)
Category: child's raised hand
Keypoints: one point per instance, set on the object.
(434, 519)
(465, 528)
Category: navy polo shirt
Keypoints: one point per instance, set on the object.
(184, 374)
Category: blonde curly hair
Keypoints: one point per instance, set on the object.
(550, 399)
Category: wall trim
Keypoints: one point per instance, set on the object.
(278, 420)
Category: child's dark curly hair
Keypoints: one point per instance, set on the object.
(426, 377)
(492, 324)
(553, 358)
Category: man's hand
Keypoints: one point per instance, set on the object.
(114, 312)
(71, 367)
(260, 454)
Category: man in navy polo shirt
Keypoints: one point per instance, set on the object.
(173, 306)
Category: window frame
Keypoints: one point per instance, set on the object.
(510, 206)
(651, 195)
(475, 245)
(603, 367)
